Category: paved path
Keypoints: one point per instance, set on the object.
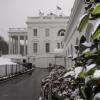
(26, 87)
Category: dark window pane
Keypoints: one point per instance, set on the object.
(35, 47)
(47, 47)
(35, 32)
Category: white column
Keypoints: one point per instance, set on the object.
(24, 45)
(10, 52)
(18, 44)
(12, 45)
(15, 46)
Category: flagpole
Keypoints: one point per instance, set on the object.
(58, 9)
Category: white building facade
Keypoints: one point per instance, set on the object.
(72, 36)
(43, 35)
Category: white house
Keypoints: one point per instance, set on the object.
(45, 34)
(42, 36)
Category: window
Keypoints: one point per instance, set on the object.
(71, 49)
(35, 32)
(35, 47)
(61, 32)
(58, 45)
(47, 32)
(47, 45)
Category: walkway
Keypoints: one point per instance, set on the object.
(25, 87)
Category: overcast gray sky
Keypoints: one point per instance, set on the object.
(13, 13)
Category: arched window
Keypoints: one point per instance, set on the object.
(61, 32)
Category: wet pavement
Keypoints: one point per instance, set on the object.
(25, 87)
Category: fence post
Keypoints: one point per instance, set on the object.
(11, 69)
(19, 67)
(6, 70)
(16, 68)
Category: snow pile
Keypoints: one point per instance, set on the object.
(77, 71)
(6, 61)
(70, 73)
(74, 56)
(97, 96)
(96, 74)
(87, 50)
(90, 67)
(87, 44)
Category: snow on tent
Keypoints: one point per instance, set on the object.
(6, 61)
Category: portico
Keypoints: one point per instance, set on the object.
(18, 41)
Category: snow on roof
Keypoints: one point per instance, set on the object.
(96, 74)
(6, 61)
